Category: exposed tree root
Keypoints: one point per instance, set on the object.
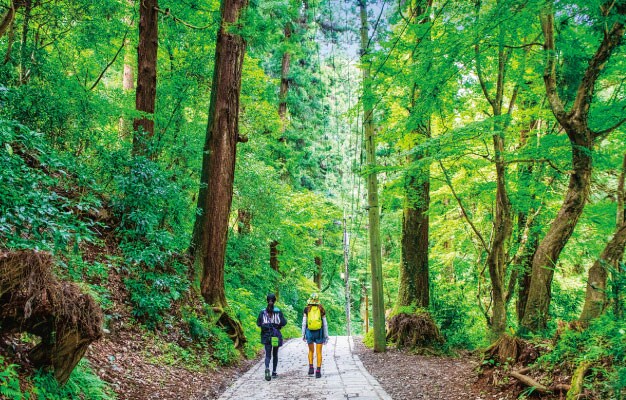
(577, 381)
(413, 330)
(33, 300)
(530, 382)
(512, 350)
(232, 326)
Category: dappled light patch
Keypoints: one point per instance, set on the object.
(35, 301)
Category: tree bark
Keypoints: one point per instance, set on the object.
(284, 80)
(576, 124)
(502, 222)
(317, 276)
(218, 165)
(413, 287)
(9, 17)
(24, 70)
(621, 218)
(595, 297)
(378, 303)
(145, 98)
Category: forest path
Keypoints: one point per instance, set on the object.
(343, 376)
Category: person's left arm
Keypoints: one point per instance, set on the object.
(283, 320)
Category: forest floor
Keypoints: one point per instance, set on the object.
(408, 376)
(122, 360)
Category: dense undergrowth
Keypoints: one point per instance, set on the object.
(127, 220)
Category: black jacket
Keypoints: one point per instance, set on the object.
(268, 324)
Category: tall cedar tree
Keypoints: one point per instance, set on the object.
(413, 287)
(218, 167)
(146, 74)
(378, 302)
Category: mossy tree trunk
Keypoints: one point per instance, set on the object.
(575, 122)
(414, 282)
(595, 296)
(378, 303)
(218, 167)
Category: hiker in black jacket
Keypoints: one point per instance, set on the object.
(271, 320)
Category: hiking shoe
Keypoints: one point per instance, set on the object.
(318, 373)
(267, 374)
(274, 375)
(311, 370)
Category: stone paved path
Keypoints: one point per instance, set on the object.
(343, 376)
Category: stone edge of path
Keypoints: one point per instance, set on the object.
(372, 381)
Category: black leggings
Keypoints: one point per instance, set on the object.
(269, 352)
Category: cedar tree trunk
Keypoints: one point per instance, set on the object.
(218, 166)
(146, 74)
(378, 303)
(414, 282)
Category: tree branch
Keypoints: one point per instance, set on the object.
(549, 73)
(167, 13)
(584, 95)
(110, 63)
(458, 200)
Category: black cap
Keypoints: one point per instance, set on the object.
(271, 296)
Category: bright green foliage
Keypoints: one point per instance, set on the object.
(9, 382)
(82, 385)
(603, 345)
(39, 207)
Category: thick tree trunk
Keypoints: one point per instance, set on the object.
(595, 298)
(576, 125)
(146, 75)
(414, 283)
(544, 260)
(413, 287)
(378, 303)
(218, 166)
(613, 253)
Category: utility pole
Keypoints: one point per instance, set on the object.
(346, 265)
(378, 302)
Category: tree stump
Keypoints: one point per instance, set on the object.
(413, 330)
(32, 300)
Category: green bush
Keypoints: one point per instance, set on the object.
(603, 344)
(9, 381)
(39, 204)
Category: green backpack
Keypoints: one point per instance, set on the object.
(314, 318)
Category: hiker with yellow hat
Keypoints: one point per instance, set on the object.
(314, 331)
